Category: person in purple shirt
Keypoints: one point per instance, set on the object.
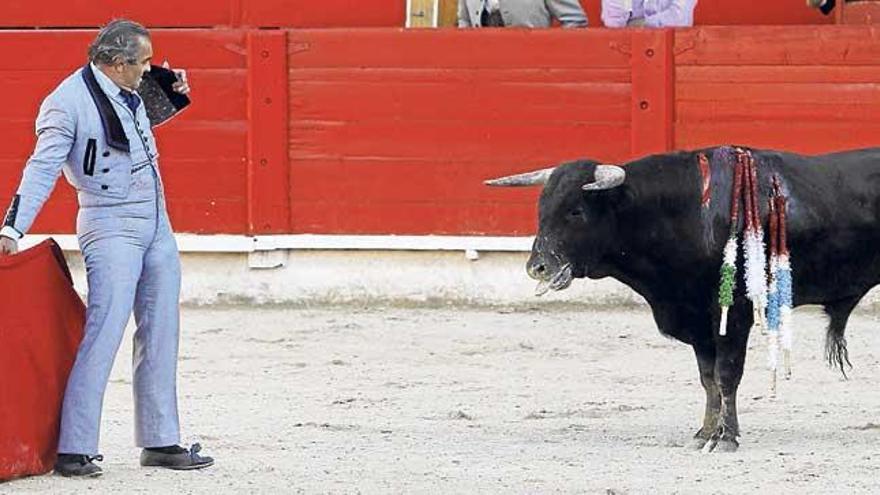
(648, 13)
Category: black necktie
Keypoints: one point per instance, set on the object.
(131, 100)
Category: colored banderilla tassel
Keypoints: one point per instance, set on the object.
(728, 266)
(753, 240)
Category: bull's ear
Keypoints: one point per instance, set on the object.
(606, 177)
(534, 178)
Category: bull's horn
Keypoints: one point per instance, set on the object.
(535, 178)
(607, 177)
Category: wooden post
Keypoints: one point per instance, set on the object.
(861, 12)
(268, 188)
(448, 13)
(431, 13)
(653, 91)
(421, 13)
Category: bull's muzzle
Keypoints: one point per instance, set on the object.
(536, 269)
(548, 279)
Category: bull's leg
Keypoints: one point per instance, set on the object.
(706, 363)
(729, 360)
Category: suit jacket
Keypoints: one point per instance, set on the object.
(526, 13)
(85, 130)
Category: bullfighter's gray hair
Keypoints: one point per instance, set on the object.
(117, 42)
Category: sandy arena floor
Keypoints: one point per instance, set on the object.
(349, 400)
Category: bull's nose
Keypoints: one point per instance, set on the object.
(536, 270)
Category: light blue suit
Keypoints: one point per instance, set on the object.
(108, 154)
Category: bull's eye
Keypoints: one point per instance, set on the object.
(576, 213)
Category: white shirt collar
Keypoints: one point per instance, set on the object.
(107, 84)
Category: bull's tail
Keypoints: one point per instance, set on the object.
(835, 341)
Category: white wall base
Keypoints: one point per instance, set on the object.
(310, 269)
(397, 277)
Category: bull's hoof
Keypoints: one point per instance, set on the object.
(719, 442)
(710, 445)
(726, 446)
(697, 443)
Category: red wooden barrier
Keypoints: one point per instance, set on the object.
(757, 12)
(268, 194)
(390, 131)
(204, 152)
(861, 12)
(807, 90)
(338, 13)
(385, 140)
(653, 98)
(205, 13)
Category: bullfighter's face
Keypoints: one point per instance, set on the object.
(129, 73)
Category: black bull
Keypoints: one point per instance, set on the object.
(645, 224)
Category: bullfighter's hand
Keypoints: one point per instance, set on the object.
(8, 246)
(815, 3)
(182, 84)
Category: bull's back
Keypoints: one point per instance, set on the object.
(833, 218)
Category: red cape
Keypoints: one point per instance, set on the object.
(41, 325)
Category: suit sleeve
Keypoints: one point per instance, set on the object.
(613, 14)
(463, 19)
(56, 130)
(679, 13)
(569, 12)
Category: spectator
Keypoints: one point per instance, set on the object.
(648, 13)
(520, 13)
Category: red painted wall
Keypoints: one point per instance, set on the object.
(337, 13)
(737, 12)
(389, 131)
(809, 90)
(204, 152)
(754, 12)
(205, 13)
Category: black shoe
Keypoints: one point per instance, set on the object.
(175, 457)
(78, 466)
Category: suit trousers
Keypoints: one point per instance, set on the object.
(132, 264)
